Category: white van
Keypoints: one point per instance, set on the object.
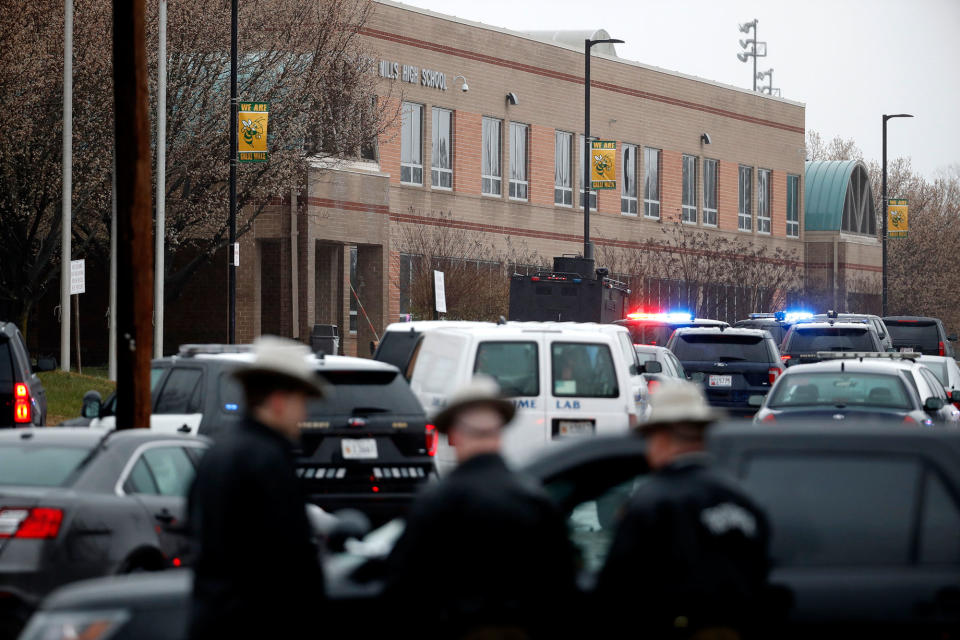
(566, 379)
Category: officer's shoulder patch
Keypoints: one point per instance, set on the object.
(726, 517)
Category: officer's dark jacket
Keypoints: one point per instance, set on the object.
(257, 572)
(691, 547)
(484, 547)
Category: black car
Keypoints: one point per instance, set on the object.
(732, 364)
(656, 328)
(776, 323)
(886, 340)
(864, 543)
(79, 503)
(23, 400)
(920, 334)
(805, 340)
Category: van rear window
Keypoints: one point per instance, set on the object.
(583, 370)
(512, 364)
(914, 334)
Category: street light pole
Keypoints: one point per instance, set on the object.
(232, 252)
(66, 227)
(883, 206)
(160, 238)
(587, 44)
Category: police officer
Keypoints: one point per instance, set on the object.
(485, 552)
(689, 558)
(257, 573)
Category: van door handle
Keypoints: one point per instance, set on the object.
(184, 428)
(164, 516)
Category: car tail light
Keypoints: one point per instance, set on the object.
(433, 439)
(36, 523)
(21, 403)
(909, 420)
(769, 418)
(772, 373)
(941, 347)
(652, 385)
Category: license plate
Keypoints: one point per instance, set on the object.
(720, 381)
(906, 349)
(571, 428)
(361, 449)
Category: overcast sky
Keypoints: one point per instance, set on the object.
(849, 60)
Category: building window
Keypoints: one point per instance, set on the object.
(584, 159)
(562, 169)
(490, 168)
(628, 196)
(441, 167)
(710, 192)
(690, 189)
(354, 284)
(651, 182)
(518, 161)
(793, 206)
(764, 196)
(745, 207)
(411, 144)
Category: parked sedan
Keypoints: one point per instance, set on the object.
(857, 387)
(79, 503)
(23, 400)
(864, 542)
(658, 364)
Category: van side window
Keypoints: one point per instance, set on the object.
(513, 365)
(583, 370)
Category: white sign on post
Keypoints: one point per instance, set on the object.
(440, 296)
(236, 254)
(78, 277)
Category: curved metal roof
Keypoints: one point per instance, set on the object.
(830, 186)
(576, 38)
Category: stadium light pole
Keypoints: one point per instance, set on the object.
(883, 206)
(587, 44)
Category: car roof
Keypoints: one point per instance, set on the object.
(838, 324)
(735, 331)
(150, 590)
(326, 363)
(517, 329)
(917, 318)
(861, 365)
(420, 326)
(84, 436)
(649, 348)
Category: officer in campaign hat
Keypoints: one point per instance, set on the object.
(690, 556)
(257, 573)
(484, 550)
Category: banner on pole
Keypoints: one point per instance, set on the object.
(440, 295)
(603, 164)
(78, 277)
(252, 120)
(897, 218)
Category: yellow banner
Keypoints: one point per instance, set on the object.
(897, 218)
(252, 131)
(603, 164)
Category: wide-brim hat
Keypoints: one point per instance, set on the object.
(481, 391)
(679, 403)
(282, 363)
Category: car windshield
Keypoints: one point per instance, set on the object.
(812, 339)
(721, 347)
(364, 392)
(39, 465)
(840, 389)
(914, 334)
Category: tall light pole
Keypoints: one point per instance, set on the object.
(883, 206)
(587, 44)
(232, 253)
(66, 227)
(160, 237)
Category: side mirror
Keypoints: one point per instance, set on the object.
(933, 404)
(697, 376)
(92, 403)
(755, 401)
(952, 337)
(652, 366)
(351, 524)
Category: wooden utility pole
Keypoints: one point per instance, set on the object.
(134, 219)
